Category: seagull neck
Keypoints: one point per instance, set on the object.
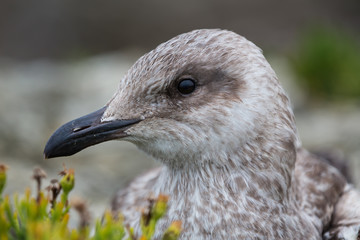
(268, 180)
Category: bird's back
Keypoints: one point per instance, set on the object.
(318, 188)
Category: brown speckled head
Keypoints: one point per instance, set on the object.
(237, 100)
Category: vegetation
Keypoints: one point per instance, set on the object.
(44, 217)
(327, 63)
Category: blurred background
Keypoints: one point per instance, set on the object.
(61, 59)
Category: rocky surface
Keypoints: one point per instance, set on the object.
(36, 97)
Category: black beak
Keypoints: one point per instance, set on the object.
(83, 132)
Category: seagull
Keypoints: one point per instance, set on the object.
(210, 108)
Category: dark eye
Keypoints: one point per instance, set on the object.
(186, 86)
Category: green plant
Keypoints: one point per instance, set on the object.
(327, 63)
(43, 217)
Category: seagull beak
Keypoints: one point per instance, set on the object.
(83, 132)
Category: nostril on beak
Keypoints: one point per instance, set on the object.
(77, 129)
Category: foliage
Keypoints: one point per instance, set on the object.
(327, 63)
(43, 217)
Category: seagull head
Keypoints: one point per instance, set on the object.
(201, 97)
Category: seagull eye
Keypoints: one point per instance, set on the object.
(186, 86)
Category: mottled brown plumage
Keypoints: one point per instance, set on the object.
(233, 164)
(250, 187)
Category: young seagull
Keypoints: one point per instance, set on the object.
(209, 107)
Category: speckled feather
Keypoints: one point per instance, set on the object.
(233, 164)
